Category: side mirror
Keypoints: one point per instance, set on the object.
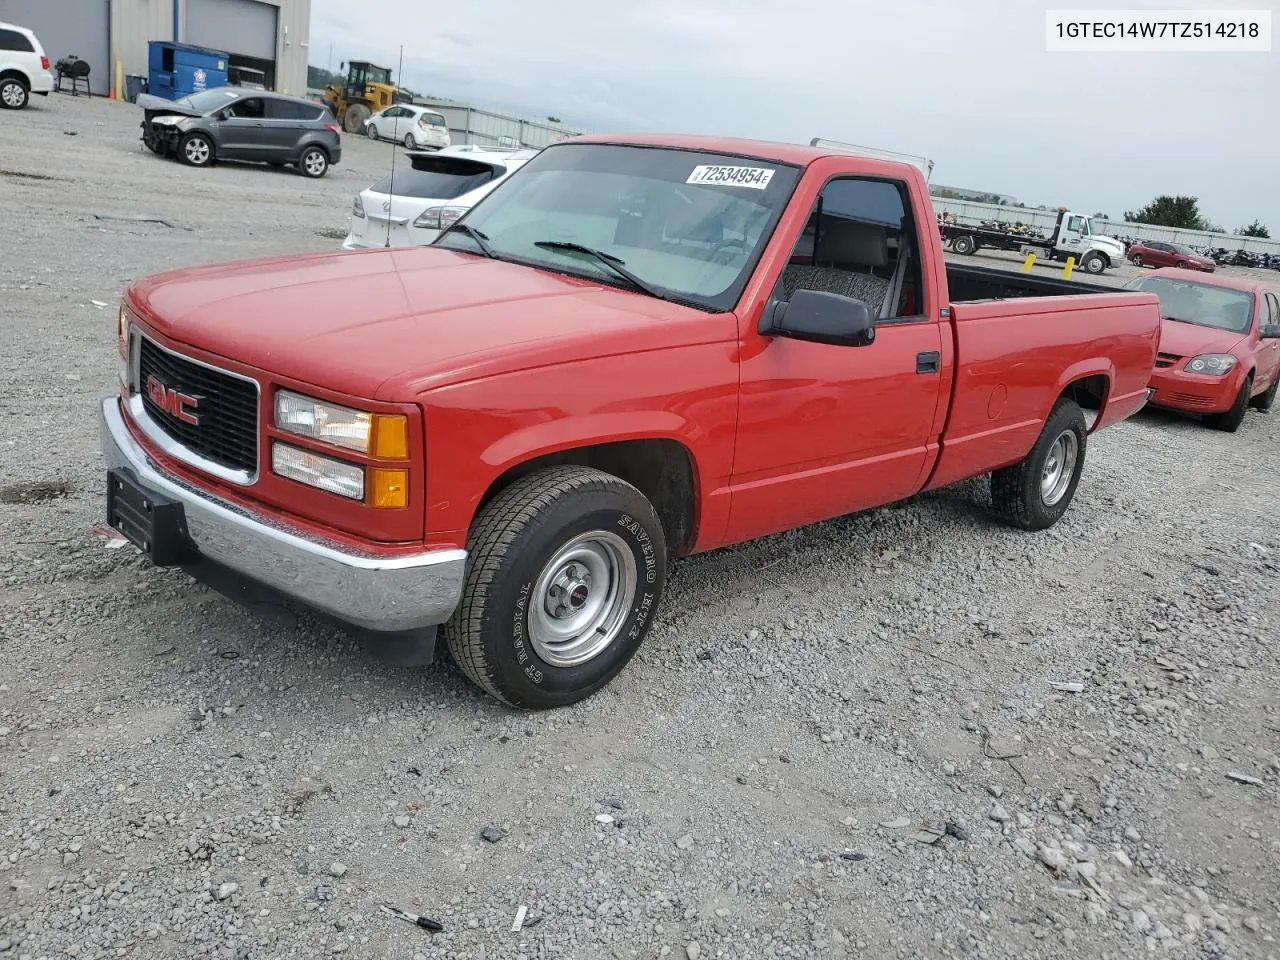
(1271, 331)
(820, 318)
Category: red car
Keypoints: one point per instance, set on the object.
(633, 349)
(1158, 253)
(1219, 345)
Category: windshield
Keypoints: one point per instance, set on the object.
(1185, 251)
(1200, 303)
(208, 100)
(689, 225)
(438, 178)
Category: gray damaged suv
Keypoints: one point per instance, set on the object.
(235, 123)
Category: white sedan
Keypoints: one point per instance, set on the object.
(415, 127)
(429, 196)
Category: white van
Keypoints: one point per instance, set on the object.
(24, 68)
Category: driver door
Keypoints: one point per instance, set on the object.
(825, 430)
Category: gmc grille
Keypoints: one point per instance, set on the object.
(227, 432)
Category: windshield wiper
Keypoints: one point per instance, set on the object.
(481, 240)
(615, 264)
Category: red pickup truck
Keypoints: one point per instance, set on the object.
(633, 349)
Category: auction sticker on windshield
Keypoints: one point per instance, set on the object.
(757, 178)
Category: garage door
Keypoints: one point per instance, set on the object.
(65, 27)
(246, 27)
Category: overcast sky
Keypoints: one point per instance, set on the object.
(967, 83)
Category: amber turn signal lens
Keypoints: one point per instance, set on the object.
(388, 489)
(390, 437)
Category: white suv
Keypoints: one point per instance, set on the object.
(24, 68)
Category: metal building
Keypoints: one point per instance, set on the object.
(112, 35)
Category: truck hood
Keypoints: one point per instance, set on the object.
(1189, 340)
(388, 324)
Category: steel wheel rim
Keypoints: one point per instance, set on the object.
(12, 94)
(1059, 468)
(197, 150)
(314, 162)
(582, 599)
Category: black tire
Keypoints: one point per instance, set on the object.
(409, 143)
(1094, 263)
(14, 94)
(371, 131)
(496, 635)
(1017, 492)
(1230, 421)
(964, 244)
(195, 150)
(1266, 400)
(356, 117)
(313, 163)
(1137, 261)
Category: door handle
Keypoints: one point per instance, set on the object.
(928, 362)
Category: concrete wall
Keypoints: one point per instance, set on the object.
(134, 22)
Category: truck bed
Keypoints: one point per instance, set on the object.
(971, 284)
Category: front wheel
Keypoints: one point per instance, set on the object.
(1137, 261)
(196, 150)
(564, 576)
(964, 244)
(1094, 263)
(1035, 492)
(372, 131)
(1230, 421)
(313, 163)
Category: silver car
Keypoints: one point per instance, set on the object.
(238, 123)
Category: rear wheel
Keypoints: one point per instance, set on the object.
(409, 143)
(1266, 400)
(1230, 421)
(1035, 492)
(357, 114)
(564, 575)
(1094, 263)
(964, 244)
(196, 150)
(14, 94)
(313, 163)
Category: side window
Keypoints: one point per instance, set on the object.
(1274, 301)
(860, 242)
(1265, 315)
(248, 109)
(1075, 224)
(281, 110)
(13, 40)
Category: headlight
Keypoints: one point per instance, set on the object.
(357, 208)
(383, 435)
(437, 218)
(323, 473)
(1212, 364)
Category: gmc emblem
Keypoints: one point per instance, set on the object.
(176, 404)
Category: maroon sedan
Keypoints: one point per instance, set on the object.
(1158, 253)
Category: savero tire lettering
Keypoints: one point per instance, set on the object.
(181, 406)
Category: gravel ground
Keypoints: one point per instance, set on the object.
(847, 740)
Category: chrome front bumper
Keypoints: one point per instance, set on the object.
(404, 592)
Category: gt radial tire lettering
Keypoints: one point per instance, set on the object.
(517, 626)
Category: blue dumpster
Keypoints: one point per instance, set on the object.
(177, 70)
